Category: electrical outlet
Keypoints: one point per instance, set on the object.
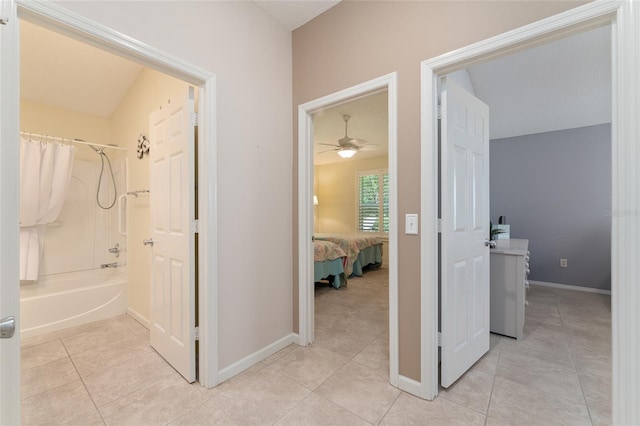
(563, 263)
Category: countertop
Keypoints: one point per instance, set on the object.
(513, 246)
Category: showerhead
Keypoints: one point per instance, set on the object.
(99, 150)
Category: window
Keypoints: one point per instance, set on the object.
(373, 201)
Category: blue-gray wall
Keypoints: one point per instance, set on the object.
(555, 190)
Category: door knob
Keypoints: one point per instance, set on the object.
(489, 243)
(7, 327)
(148, 242)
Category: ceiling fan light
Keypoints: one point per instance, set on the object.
(346, 152)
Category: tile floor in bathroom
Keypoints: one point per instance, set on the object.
(106, 372)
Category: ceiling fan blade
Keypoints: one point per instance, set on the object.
(358, 142)
(370, 147)
(352, 143)
(329, 144)
(328, 150)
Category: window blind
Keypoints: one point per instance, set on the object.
(373, 202)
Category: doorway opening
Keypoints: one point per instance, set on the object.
(368, 90)
(351, 201)
(578, 19)
(161, 68)
(545, 157)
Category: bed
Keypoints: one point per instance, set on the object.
(329, 261)
(363, 251)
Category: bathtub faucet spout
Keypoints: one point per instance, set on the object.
(109, 265)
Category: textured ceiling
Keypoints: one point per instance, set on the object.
(560, 85)
(60, 71)
(293, 14)
(369, 121)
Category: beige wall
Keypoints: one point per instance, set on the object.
(359, 40)
(336, 186)
(128, 121)
(43, 119)
(336, 209)
(250, 53)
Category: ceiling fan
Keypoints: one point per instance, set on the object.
(347, 146)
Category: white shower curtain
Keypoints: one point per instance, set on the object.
(45, 172)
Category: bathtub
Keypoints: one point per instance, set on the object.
(59, 301)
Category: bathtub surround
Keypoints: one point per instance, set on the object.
(59, 301)
(81, 238)
(72, 289)
(45, 172)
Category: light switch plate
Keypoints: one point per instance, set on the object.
(411, 224)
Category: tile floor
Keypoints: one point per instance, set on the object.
(106, 373)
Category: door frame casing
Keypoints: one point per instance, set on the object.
(9, 215)
(624, 18)
(64, 21)
(305, 207)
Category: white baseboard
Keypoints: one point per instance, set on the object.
(138, 317)
(570, 287)
(296, 338)
(251, 360)
(410, 386)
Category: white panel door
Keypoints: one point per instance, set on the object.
(465, 229)
(172, 214)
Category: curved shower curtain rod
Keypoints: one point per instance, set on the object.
(78, 141)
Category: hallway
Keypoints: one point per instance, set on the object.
(106, 372)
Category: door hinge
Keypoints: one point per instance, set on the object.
(194, 119)
(439, 112)
(439, 339)
(195, 226)
(195, 333)
(439, 225)
(5, 8)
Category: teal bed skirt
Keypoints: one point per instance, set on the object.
(330, 268)
(370, 256)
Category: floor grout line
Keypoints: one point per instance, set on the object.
(360, 312)
(83, 383)
(493, 382)
(575, 366)
(390, 407)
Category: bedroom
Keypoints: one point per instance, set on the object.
(348, 189)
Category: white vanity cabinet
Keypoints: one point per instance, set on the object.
(509, 271)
